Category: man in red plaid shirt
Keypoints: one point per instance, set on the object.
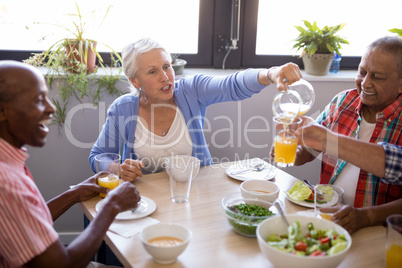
(370, 113)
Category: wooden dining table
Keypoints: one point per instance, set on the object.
(214, 243)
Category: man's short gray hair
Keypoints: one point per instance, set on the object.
(391, 45)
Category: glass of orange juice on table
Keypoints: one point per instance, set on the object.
(109, 162)
(394, 241)
(285, 142)
(327, 200)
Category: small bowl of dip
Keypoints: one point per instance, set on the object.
(260, 189)
(165, 241)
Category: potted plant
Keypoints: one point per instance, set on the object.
(78, 49)
(71, 69)
(397, 31)
(318, 46)
(178, 64)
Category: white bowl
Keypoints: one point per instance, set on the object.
(265, 190)
(165, 254)
(283, 259)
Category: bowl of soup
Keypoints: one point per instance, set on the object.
(260, 189)
(165, 241)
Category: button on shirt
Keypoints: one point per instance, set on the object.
(26, 225)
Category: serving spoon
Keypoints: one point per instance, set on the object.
(279, 208)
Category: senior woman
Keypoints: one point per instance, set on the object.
(370, 113)
(164, 117)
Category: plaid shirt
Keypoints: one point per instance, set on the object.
(393, 163)
(342, 115)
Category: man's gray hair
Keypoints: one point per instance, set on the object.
(391, 45)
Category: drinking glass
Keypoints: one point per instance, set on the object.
(285, 141)
(394, 241)
(180, 169)
(327, 199)
(108, 162)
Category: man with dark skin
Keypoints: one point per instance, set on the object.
(27, 236)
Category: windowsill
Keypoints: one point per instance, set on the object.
(341, 76)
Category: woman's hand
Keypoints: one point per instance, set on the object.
(131, 169)
(285, 75)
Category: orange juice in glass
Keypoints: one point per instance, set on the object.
(394, 256)
(285, 149)
(394, 241)
(109, 181)
(326, 216)
(109, 162)
(285, 142)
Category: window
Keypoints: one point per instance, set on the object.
(365, 21)
(270, 27)
(43, 22)
(123, 22)
(199, 30)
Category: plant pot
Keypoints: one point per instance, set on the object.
(73, 55)
(178, 66)
(317, 64)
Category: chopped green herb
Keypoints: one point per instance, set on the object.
(246, 224)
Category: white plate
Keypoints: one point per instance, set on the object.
(268, 173)
(146, 207)
(303, 203)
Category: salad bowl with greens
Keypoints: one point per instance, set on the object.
(308, 242)
(244, 214)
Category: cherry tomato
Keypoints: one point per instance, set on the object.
(301, 246)
(317, 253)
(325, 240)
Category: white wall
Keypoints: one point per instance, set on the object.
(63, 161)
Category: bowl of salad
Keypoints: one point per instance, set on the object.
(244, 214)
(308, 242)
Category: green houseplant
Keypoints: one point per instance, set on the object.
(71, 69)
(397, 31)
(318, 46)
(77, 49)
(178, 64)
